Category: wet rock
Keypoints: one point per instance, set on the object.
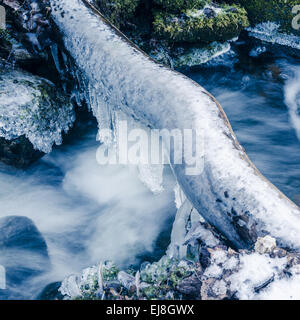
(17, 232)
(50, 292)
(204, 257)
(13, 52)
(30, 23)
(33, 116)
(190, 287)
(23, 252)
(219, 26)
(18, 152)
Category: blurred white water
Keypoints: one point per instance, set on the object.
(292, 98)
(85, 212)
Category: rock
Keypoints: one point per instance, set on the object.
(279, 11)
(115, 285)
(196, 55)
(18, 152)
(190, 287)
(17, 232)
(50, 292)
(23, 252)
(14, 52)
(265, 245)
(33, 116)
(197, 27)
(30, 23)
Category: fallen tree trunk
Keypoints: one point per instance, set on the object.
(230, 193)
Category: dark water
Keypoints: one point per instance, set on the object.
(87, 213)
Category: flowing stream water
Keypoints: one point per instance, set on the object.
(88, 213)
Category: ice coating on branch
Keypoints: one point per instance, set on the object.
(269, 31)
(33, 107)
(230, 193)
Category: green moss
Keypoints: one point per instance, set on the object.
(109, 271)
(119, 12)
(279, 11)
(191, 27)
(179, 5)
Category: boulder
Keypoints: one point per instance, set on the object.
(50, 292)
(279, 11)
(33, 116)
(205, 25)
(23, 253)
(18, 152)
(20, 233)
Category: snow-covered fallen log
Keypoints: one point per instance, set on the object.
(230, 193)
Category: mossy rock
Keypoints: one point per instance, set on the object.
(195, 26)
(279, 11)
(119, 12)
(179, 5)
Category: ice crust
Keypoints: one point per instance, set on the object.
(269, 31)
(26, 108)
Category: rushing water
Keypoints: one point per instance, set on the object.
(88, 212)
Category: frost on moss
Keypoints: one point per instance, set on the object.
(119, 12)
(178, 5)
(279, 11)
(214, 24)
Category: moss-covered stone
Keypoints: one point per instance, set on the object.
(279, 11)
(196, 26)
(119, 12)
(179, 5)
